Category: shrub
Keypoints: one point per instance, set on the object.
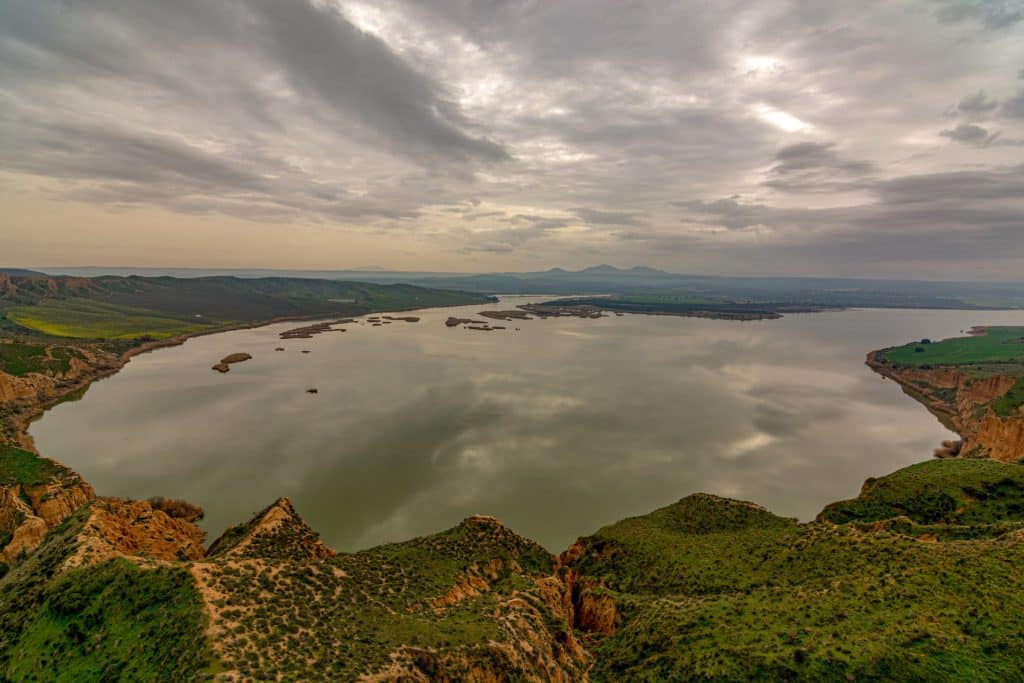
(177, 508)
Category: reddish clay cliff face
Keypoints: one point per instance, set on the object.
(962, 403)
(592, 609)
(132, 528)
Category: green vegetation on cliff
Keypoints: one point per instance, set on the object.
(18, 466)
(731, 592)
(954, 491)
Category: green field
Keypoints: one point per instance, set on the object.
(85, 319)
(128, 308)
(999, 345)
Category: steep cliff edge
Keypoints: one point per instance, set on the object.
(974, 385)
(36, 495)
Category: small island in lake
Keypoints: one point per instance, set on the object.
(225, 363)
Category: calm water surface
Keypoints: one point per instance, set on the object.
(557, 429)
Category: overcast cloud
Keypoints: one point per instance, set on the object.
(879, 138)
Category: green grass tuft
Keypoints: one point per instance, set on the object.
(18, 466)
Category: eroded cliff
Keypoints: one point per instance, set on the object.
(966, 403)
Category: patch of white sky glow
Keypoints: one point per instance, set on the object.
(760, 65)
(780, 119)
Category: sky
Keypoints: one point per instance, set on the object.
(777, 137)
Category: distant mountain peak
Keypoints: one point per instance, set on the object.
(602, 268)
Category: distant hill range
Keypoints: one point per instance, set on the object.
(21, 272)
(118, 307)
(647, 283)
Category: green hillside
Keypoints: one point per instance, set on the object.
(709, 589)
(920, 578)
(124, 308)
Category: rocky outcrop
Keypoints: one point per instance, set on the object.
(963, 404)
(475, 580)
(132, 528)
(538, 643)
(593, 610)
(23, 528)
(57, 500)
(276, 532)
(28, 512)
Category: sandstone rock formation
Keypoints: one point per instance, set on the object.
(27, 512)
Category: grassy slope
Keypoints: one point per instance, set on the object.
(18, 466)
(966, 492)
(766, 599)
(115, 621)
(85, 319)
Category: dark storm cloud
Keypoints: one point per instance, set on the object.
(815, 167)
(525, 228)
(362, 79)
(978, 103)
(943, 216)
(598, 217)
(1014, 107)
(993, 14)
(727, 213)
(83, 152)
(575, 35)
(970, 134)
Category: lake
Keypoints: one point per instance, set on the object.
(557, 429)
